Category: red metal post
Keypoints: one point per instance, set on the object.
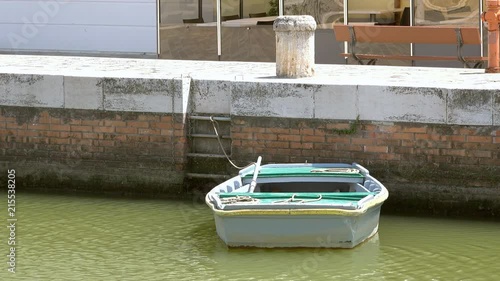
(492, 19)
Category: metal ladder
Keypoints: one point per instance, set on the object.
(206, 160)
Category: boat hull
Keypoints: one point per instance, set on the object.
(314, 230)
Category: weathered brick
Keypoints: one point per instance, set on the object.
(59, 141)
(58, 155)
(50, 134)
(407, 136)
(82, 141)
(55, 120)
(70, 135)
(40, 140)
(26, 133)
(338, 126)
(92, 122)
(161, 125)
(288, 138)
(7, 119)
(169, 132)
(388, 142)
(78, 128)
(276, 131)
(114, 123)
(307, 138)
(45, 119)
(453, 152)
(138, 138)
(161, 139)
(267, 137)
(349, 147)
(126, 130)
(389, 156)
(73, 122)
(320, 132)
(310, 152)
(103, 156)
(456, 138)
(243, 136)
(251, 143)
(100, 129)
(363, 141)
(418, 130)
(103, 142)
(301, 145)
(138, 124)
(180, 126)
(389, 128)
(324, 146)
(144, 117)
(149, 132)
(376, 148)
(337, 139)
(306, 132)
(179, 133)
(278, 144)
(91, 148)
(466, 131)
(23, 126)
(37, 126)
(253, 130)
(166, 118)
(289, 152)
(428, 151)
(55, 127)
(120, 138)
(480, 153)
(302, 159)
(483, 139)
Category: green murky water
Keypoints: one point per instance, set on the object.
(86, 238)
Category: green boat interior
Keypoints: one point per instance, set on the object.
(305, 197)
(266, 172)
(299, 187)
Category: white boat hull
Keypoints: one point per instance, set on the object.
(298, 205)
(316, 231)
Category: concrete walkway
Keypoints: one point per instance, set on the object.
(338, 92)
(446, 78)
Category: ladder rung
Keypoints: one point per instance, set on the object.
(209, 176)
(208, 136)
(206, 155)
(207, 118)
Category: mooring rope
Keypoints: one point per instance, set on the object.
(293, 200)
(214, 122)
(239, 199)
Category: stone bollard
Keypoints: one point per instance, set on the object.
(294, 46)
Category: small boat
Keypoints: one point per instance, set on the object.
(316, 205)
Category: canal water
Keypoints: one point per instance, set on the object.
(62, 237)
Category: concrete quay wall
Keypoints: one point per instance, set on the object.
(103, 124)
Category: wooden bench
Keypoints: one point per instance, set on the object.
(409, 34)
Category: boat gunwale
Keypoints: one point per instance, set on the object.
(377, 199)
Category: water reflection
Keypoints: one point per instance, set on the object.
(92, 238)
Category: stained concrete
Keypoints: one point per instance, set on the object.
(375, 93)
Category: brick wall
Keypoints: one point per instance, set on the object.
(85, 149)
(394, 152)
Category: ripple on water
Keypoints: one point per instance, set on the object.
(88, 238)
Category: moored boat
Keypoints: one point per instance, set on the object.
(329, 205)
